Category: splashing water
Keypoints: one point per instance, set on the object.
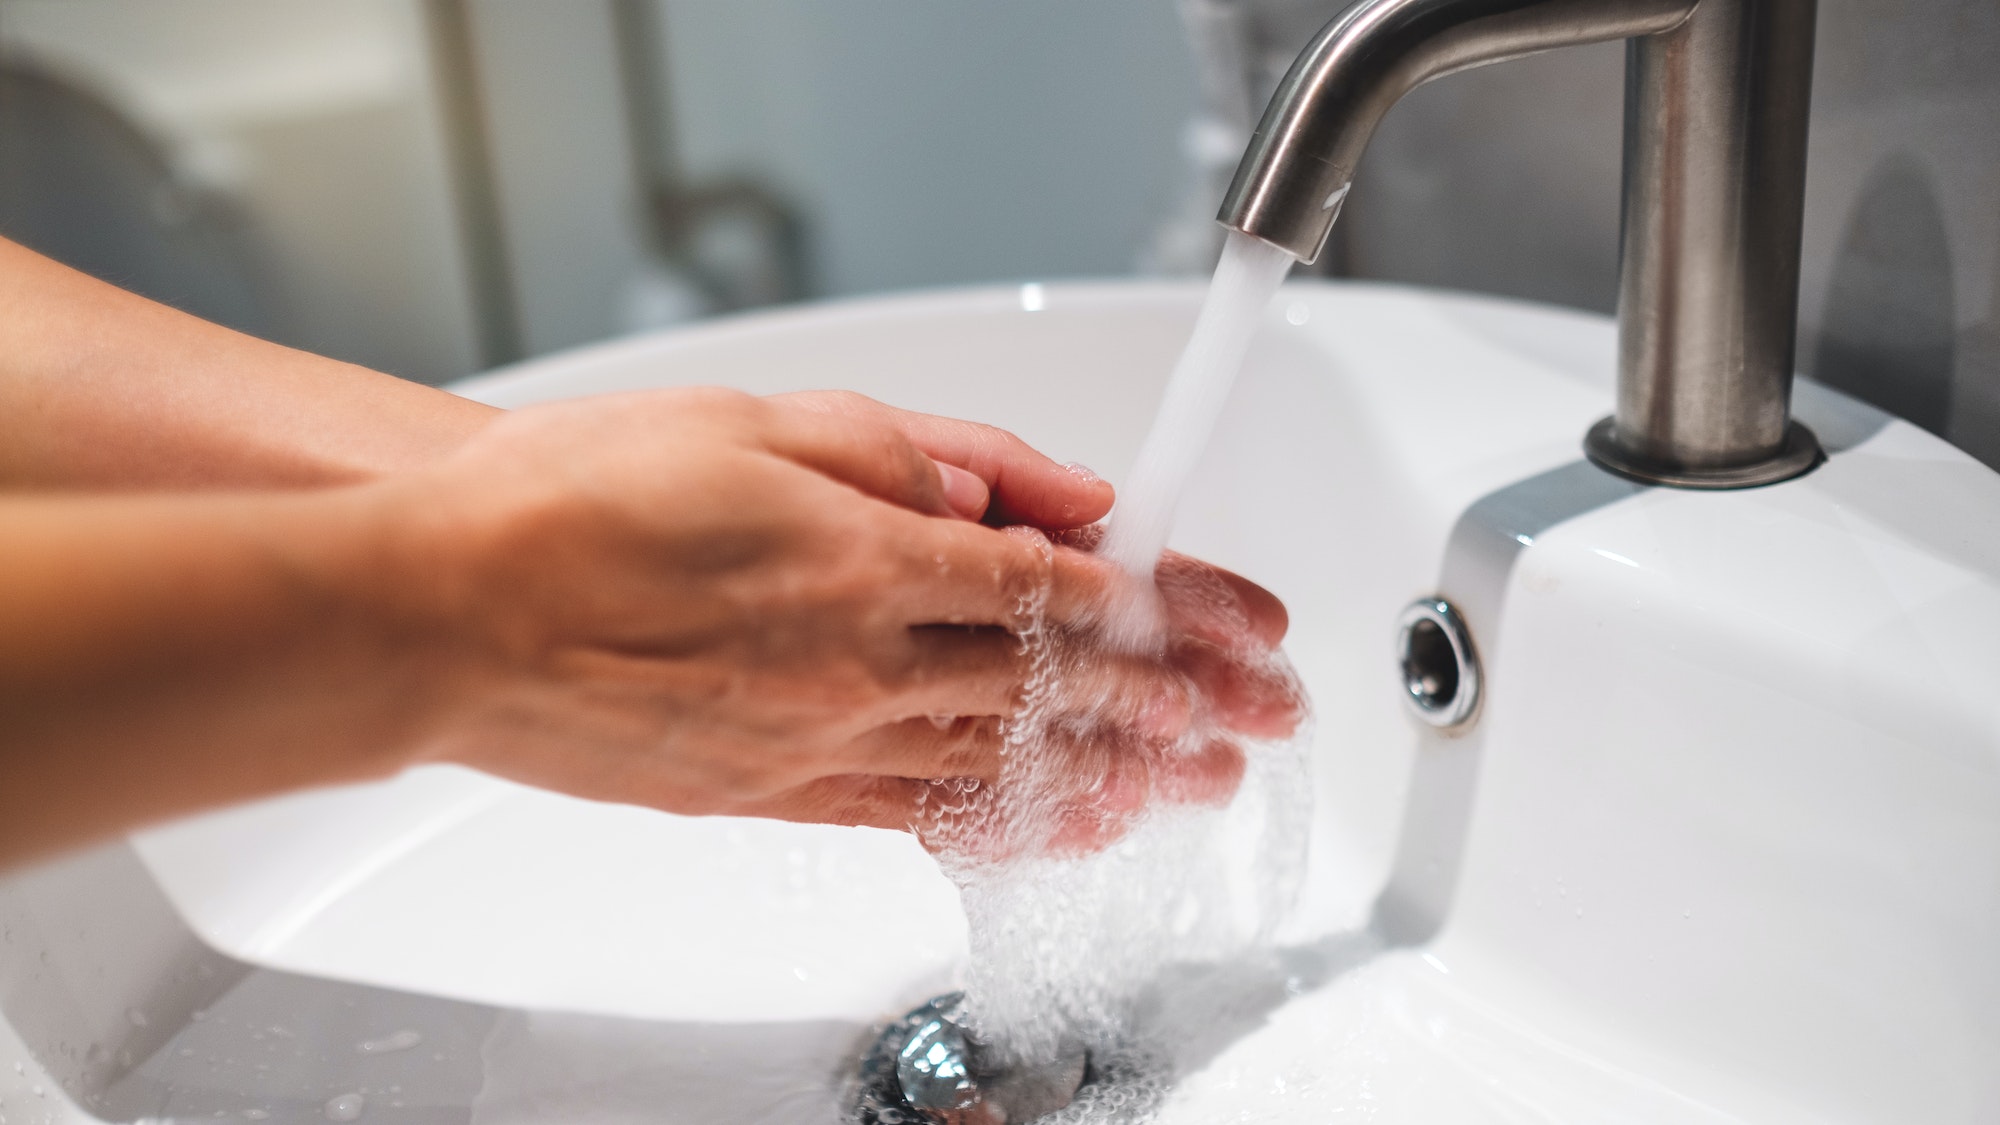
(1065, 945)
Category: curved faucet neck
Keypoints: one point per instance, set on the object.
(1718, 96)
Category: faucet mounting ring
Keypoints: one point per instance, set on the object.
(1799, 455)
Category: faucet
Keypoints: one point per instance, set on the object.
(1717, 96)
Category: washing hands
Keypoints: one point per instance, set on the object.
(798, 607)
(232, 569)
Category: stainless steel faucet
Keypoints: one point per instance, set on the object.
(1717, 94)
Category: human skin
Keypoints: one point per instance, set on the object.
(229, 569)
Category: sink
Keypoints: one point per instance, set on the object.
(1722, 843)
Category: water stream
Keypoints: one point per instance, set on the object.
(1070, 950)
(1246, 279)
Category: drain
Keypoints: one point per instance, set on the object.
(1439, 666)
(924, 1070)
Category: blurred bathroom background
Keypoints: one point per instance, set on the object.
(434, 187)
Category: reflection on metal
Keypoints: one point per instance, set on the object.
(925, 1070)
(1717, 101)
(1799, 455)
(934, 1068)
(1439, 666)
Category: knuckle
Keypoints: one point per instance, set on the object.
(723, 399)
(853, 402)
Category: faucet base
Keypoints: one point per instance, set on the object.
(1799, 456)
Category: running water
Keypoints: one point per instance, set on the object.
(1246, 279)
(1068, 950)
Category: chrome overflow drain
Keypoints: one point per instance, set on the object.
(925, 1070)
(1439, 667)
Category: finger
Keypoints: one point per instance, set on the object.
(967, 495)
(1208, 776)
(1086, 590)
(927, 750)
(1219, 606)
(1026, 486)
(951, 572)
(865, 451)
(953, 670)
(1102, 816)
(895, 803)
(963, 574)
(1258, 698)
(1116, 691)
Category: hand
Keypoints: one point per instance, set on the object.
(989, 473)
(712, 603)
(1079, 774)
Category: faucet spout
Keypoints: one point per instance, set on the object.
(1717, 99)
(1290, 185)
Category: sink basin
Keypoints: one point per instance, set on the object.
(1722, 844)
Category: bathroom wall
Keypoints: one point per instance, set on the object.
(929, 143)
(1506, 180)
(432, 186)
(273, 164)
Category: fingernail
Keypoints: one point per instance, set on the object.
(964, 492)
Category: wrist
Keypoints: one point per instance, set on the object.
(411, 567)
(392, 599)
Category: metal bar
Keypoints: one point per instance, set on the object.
(1715, 157)
(455, 65)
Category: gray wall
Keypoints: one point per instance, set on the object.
(931, 143)
(1506, 180)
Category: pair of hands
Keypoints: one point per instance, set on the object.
(233, 569)
(799, 607)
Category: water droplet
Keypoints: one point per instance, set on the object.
(799, 972)
(1579, 911)
(394, 1041)
(257, 1114)
(346, 1107)
(1297, 313)
(136, 1017)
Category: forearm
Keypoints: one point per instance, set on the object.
(100, 388)
(163, 655)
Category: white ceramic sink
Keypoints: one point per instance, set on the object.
(1724, 842)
